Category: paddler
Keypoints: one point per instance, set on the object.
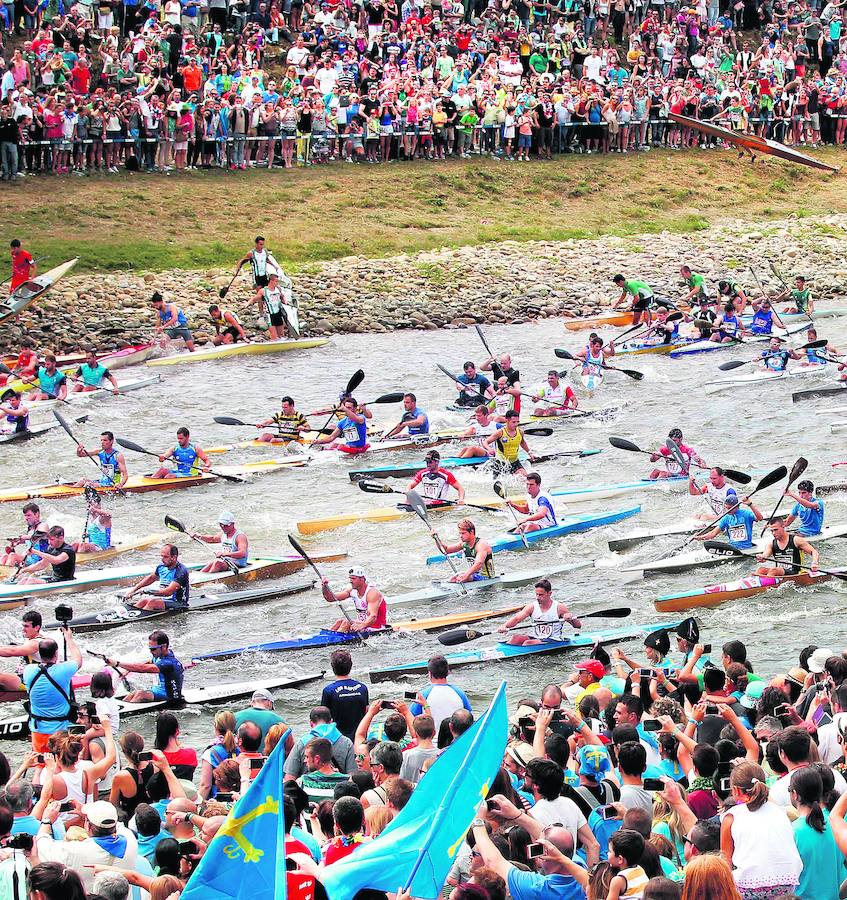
(503, 368)
(228, 329)
(172, 320)
(186, 456)
(705, 315)
(505, 398)
(800, 296)
(482, 427)
(817, 356)
(15, 414)
(548, 617)
(538, 506)
(435, 482)
(808, 508)
(508, 441)
(59, 557)
(112, 463)
(728, 326)
(353, 428)
(262, 263)
(473, 387)
(26, 365)
(665, 331)
(23, 265)
(594, 355)
(673, 469)
(786, 552)
(714, 491)
(98, 531)
(476, 551)
(270, 298)
(641, 295)
(28, 650)
(370, 605)
(164, 664)
(290, 424)
(730, 292)
(414, 420)
(775, 357)
(235, 546)
(764, 316)
(91, 375)
(736, 522)
(34, 537)
(51, 382)
(695, 283)
(172, 580)
(558, 397)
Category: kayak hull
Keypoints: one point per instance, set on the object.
(231, 350)
(73, 398)
(27, 293)
(718, 594)
(760, 376)
(35, 431)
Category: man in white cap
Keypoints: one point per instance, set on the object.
(261, 713)
(370, 606)
(235, 547)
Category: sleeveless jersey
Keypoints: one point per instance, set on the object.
(181, 318)
(361, 604)
(109, 467)
(230, 544)
(789, 557)
(548, 626)
(508, 447)
(775, 360)
(762, 322)
(272, 299)
(716, 497)
(100, 537)
(186, 459)
(730, 325)
(21, 423)
(487, 570)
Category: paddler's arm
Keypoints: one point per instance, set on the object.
(257, 297)
(373, 600)
(457, 487)
(767, 553)
(110, 377)
(620, 299)
(709, 535)
(693, 489)
(814, 503)
(82, 452)
(142, 668)
(145, 582)
(203, 458)
(121, 461)
(492, 439)
(805, 547)
(525, 448)
(327, 438)
(329, 595)
(27, 648)
(488, 365)
(516, 619)
(567, 616)
(753, 509)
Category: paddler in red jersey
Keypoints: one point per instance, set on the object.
(673, 468)
(370, 605)
(23, 265)
(435, 482)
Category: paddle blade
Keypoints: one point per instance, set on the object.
(564, 354)
(299, 549)
(537, 431)
(175, 524)
(484, 341)
(459, 636)
(676, 453)
(723, 548)
(739, 477)
(65, 424)
(798, 469)
(223, 292)
(814, 345)
(374, 487)
(617, 612)
(416, 502)
(674, 317)
(91, 495)
(355, 380)
(733, 364)
(229, 420)
(624, 444)
(395, 397)
(771, 478)
(500, 490)
(631, 373)
(446, 371)
(131, 445)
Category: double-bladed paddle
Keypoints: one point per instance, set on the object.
(176, 525)
(624, 444)
(416, 502)
(484, 342)
(737, 363)
(722, 548)
(673, 317)
(380, 487)
(136, 448)
(355, 380)
(631, 373)
(797, 470)
(298, 547)
(503, 494)
(463, 635)
(67, 427)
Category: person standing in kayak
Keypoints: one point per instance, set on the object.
(353, 428)
(557, 397)
(172, 580)
(476, 551)
(91, 375)
(112, 463)
(228, 329)
(808, 508)
(370, 605)
(714, 491)
(509, 441)
(15, 414)
(414, 420)
(51, 382)
(786, 552)
(23, 265)
(186, 456)
(641, 294)
(235, 545)
(59, 557)
(673, 468)
(483, 427)
(538, 507)
(290, 424)
(736, 522)
(163, 663)
(172, 320)
(435, 482)
(262, 263)
(547, 615)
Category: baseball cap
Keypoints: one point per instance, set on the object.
(752, 694)
(817, 661)
(101, 814)
(433, 454)
(357, 572)
(262, 694)
(226, 518)
(594, 666)
(593, 761)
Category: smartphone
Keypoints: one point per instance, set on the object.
(784, 709)
(651, 725)
(654, 784)
(608, 812)
(36, 791)
(533, 851)
(145, 756)
(723, 784)
(223, 796)
(491, 806)
(387, 704)
(76, 730)
(712, 709)
(825, 719)
(645, 673)
(410, 695)
(66, 806)
(256, 764)
(187, 848)
(707, 648)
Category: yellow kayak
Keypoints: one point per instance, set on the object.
(230, 350)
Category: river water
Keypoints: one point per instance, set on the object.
(752, 428)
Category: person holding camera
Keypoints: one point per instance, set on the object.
(48, 684)
(16, 856)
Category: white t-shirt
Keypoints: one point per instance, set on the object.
(779, 790)
(591, 67)
(326, 80)
(561, 810)
(828, 746)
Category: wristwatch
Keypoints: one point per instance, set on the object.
(478, 823)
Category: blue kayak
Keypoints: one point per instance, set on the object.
(566, 525)
(502, 651)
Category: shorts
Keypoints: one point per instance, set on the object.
(525, 140)
(815, 121)
(386, 131)
(260, 280)
(471, 402)
(755, 330)
(352, 451)
(159, 693)
(511, 467)
(641, 303)
(170, 603)
(232, 332)
(277, 319)
(179, 332)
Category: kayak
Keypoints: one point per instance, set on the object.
(590, 492)
(563, 415)
(100, 394)
(688, 526)
(759, 375)
(268, 567)
(128, 546)
(284, 443)
(117, 359)
(503, 651)
(566, 525)
(648, 346)
(140, 484)
(711, 346)
(326, 637)
(592, 379)
(241, 349)
(123, 614)
(718, 594)
(822, 391)
(27, 293)
(34, 431)
(17, 728)
(448, 462)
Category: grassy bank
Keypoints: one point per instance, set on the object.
(200, 220)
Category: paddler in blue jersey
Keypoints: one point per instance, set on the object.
(736, 523)
(414, 420)
(808, 508)
(98, 530)
(111, 461)
(352, 429)
(546, 615)
(665, 332)
(786, 552)
(172, 320)
(764, 317)
(91, 375)
(538, 506)
(190, 459)
(163, 663)
(775, 357)
(817, 356)
(728, 326)
(172, 582)
(15, 414)
(51, 382)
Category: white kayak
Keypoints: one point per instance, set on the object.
(124, 387)
(27, 293)
(760, 375)
(226, 351)
(711, 346)
(592, 378)
(641, 535)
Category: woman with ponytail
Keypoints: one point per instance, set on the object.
(223, 747)
(823, 863)
(129, 785)
(54, 881)
(756, 838)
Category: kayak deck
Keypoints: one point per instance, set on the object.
(240, 349)
(718, 594)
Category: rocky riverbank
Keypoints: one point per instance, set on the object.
(501, 283)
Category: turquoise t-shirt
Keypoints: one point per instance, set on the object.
(823, 865)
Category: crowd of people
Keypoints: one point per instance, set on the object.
(185, 84)
(670, 773)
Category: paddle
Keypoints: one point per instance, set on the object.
(355, 380)
(225, 290)
(631, 373)
(131, 445)
(298, 547)
(91, 497)
(673, 317)
(501, 492)
(414, 499)
(484, 342)
(38, 535)
(176, 525)
(624, 444)
(724, 549)
(121, 673)
(463, 635)
(66, 425)
(379, 487)
(797, 470)
(37, 386)
(455, 380)
(736, 363)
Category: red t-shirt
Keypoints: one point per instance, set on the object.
(337, 850)
(80, 79)
(21, 262)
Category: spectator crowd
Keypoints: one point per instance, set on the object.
(185, 84)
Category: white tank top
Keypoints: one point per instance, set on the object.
(73, 784)
(547, 624)
(763, 863)
(230, 544)
(360, 602)
(716, 497)
(484, 431)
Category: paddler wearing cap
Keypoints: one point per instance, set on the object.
(370, 605)
(538, 507)
(435, 482)
(786, 552)
(808, 508)
(547, 615)
(775, 357)
(672, 467)
(714, 491)
(508, 441)
(641, 295)
(736, 522)
(764, 316)
(476, 551)
(235, 545)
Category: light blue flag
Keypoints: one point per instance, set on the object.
(419, 845)
(246, 858)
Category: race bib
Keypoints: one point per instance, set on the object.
(351, 434)
(738, 534)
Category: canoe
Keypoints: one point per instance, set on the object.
(718, 594)
(117, 359)
(758, 376)
(141, 484)
(713, 346)
(27, 293)
(326, 637)
(34, 431)
(122, 614)
(267, 567)
(16, 728)
(502, 651)
(127, 546)
(566, 525)
(124, 387)
(824, 390)
(242, 349)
